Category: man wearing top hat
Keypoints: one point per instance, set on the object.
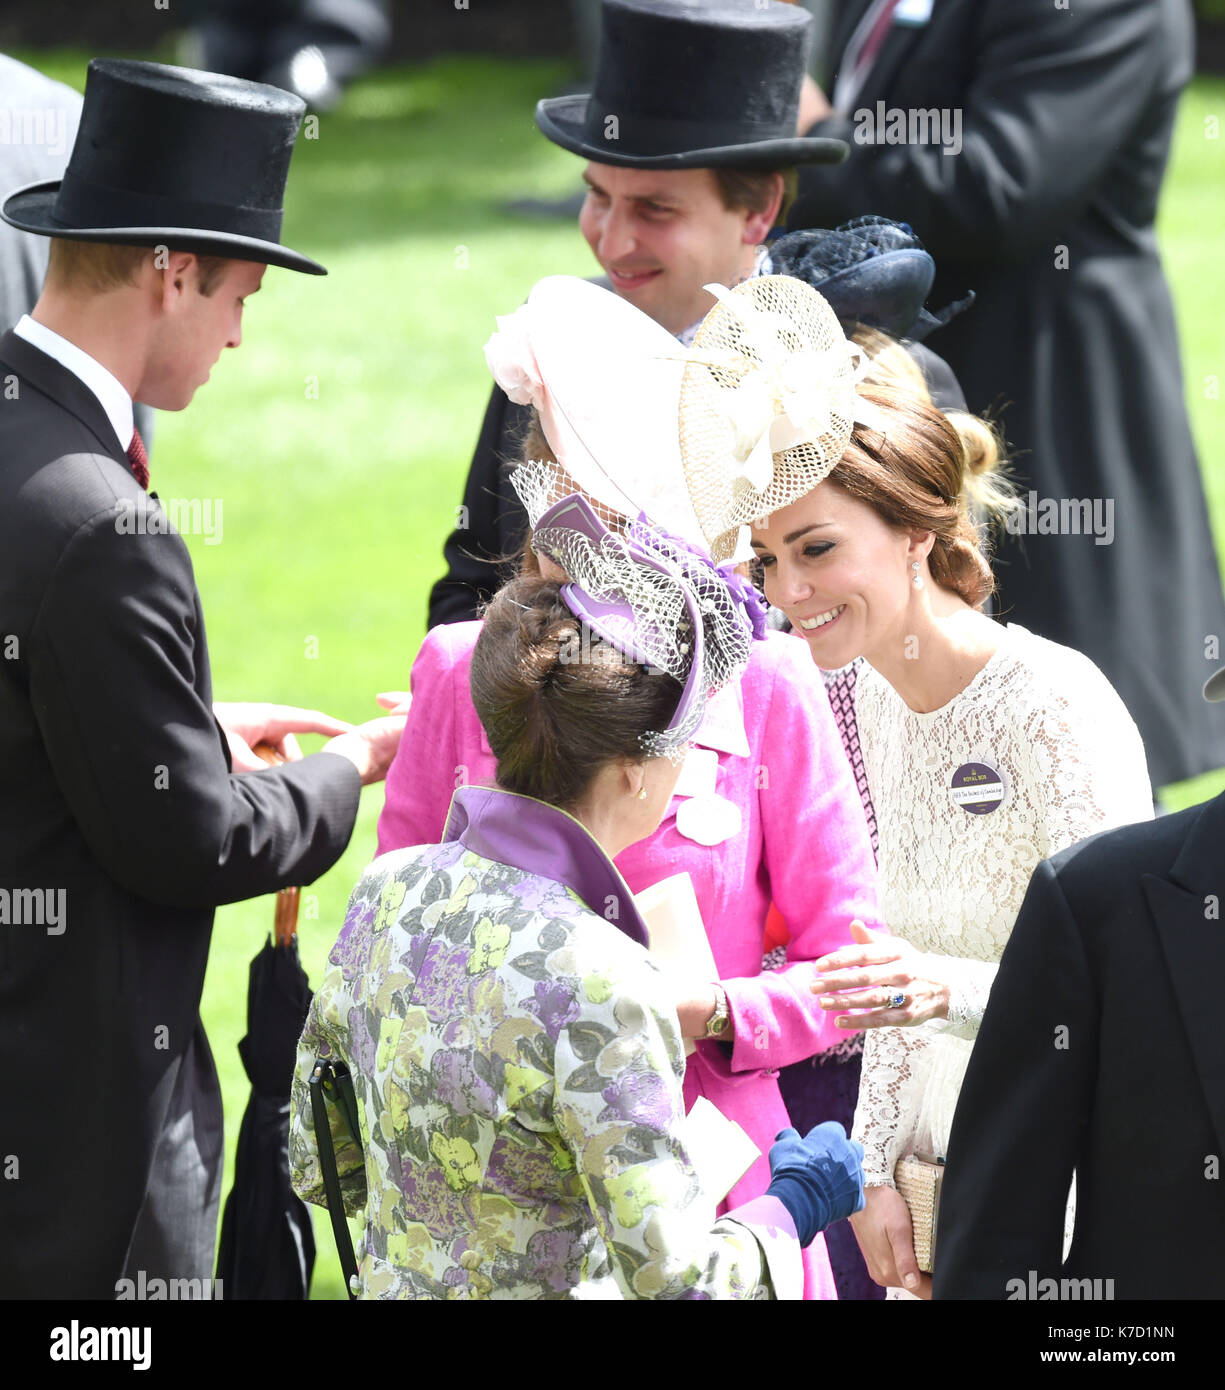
(690, 141)
(124, 816)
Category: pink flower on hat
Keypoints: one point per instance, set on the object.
(512, 360)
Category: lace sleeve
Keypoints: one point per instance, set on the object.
(969, 983)
(890, 1091)
(1088, 761)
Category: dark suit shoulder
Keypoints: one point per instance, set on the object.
(67, 497)
(56, 468)
(1111, 863)
(69, 508)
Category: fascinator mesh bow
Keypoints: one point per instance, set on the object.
(767, 403)
(655, 598)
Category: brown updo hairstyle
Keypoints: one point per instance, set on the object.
(553, 722)
(927, 470)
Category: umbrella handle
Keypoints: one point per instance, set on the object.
(288, 900)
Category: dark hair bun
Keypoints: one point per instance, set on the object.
(557, 702)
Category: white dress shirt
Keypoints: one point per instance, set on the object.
(761, 266)
(110, 392)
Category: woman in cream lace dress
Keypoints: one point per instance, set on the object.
(986, 747)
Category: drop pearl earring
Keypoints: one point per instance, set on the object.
(915, 577)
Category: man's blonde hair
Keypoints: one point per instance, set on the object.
(93, 267)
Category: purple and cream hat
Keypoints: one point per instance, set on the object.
(659, 601)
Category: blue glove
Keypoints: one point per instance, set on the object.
(818, 1179)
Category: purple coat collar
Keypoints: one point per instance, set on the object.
(531, 835)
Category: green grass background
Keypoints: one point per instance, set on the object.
(338, 436)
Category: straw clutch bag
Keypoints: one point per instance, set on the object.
(919, 1178)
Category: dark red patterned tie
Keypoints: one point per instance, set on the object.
(139, 460)
(876, 38)
(857, 61)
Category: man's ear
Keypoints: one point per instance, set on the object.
(171, 272)
(758, 225)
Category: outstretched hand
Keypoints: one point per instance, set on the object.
(370, 747)
(247, 723)
(869, 976)
(395, 701)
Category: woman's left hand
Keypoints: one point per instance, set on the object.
(868, 976)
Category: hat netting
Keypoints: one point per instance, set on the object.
(767, 403)
(654, 583)
(542, 483)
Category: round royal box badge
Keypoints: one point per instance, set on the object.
(977, 788)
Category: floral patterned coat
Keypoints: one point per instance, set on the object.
(799, 841)
(518, 1067)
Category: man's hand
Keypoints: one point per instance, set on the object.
(370, 747)
(395, 701)
(247, 724)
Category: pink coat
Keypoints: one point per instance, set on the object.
(802, 843)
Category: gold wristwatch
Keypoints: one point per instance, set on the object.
(722, 1015)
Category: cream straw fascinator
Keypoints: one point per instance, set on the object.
(767, 405)
(605, 380)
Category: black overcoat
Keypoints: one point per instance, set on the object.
(1046, 212)
(121, 829)
(1101, 1052)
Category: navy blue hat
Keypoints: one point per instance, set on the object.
(693, 84)
(173, 156)
(871, 271)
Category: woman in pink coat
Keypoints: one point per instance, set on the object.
(766, 808)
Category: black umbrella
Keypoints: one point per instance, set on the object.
(267, 1247)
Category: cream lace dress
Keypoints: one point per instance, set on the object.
(1070, 762)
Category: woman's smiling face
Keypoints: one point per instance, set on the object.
(841, 575)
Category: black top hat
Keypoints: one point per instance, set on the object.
(693, 84)
(871, 270)
(172, 156)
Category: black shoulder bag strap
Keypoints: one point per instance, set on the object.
(330, 1081)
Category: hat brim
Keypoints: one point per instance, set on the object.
(31, 209)
(1214, 686)
(563, 120)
